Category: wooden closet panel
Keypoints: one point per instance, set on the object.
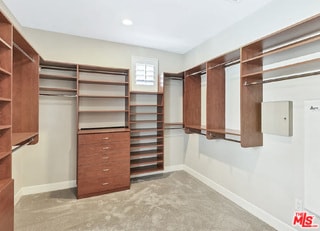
(192, 101)
(6, 205)
(216, 98)
(25, 91)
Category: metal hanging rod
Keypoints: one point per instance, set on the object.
(104, 72)
(296, 76)
(225, 64)
(23, 52)
(173, 128)
(58, 68)
(198, 72)
(173, 78)
(22, 145)
(61, 95)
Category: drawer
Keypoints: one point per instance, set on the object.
(96, 186)
(104, 138)
(102, 171)
(96, 161)
(104, 148)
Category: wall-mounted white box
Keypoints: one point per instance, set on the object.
(277, 118)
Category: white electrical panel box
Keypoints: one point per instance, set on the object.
(277, 118)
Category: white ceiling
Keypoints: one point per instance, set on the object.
(170, 25)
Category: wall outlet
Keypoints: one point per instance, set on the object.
(298, 205)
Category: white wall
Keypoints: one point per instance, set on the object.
(269, 177)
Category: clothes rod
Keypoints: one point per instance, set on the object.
(22, 145)
(198, 72)
(103, 72)
(23, 52)
(174, 78)
(58, 68)
(225, 64)
(283, 78)
(61, 95)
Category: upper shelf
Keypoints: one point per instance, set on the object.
(120, 83)
(305, 28)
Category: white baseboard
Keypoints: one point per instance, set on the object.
(173, 168)
(43, 188)
(261, 214)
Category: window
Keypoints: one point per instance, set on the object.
(144, 72)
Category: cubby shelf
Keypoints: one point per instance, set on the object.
(146, 122)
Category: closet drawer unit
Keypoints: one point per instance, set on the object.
(103, 138)
(6, 205)
(103, 163)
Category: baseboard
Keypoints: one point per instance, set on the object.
(43, 188)
(173, 168)
(261, 214)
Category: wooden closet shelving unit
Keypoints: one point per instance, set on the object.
(58, 79)
(6, 181)
(169, 79)
(216, 96)
(146, 123)
(192, 99)
(274, 58)
(103, 130)
(25, 92)
(18, 108)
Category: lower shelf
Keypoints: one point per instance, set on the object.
(144, 170)
(22, 137)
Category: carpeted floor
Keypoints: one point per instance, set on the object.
(175, 201)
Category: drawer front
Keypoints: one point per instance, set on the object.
(112, 148)
(99, 181)
(103, 138)
(101, 161)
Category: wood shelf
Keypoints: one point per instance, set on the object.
(21, 137)
(4, 154)
(146, 145)
(99, 130)
(58, 77)
(103, 82)
(299, 67)
(4, 127)
(4, 72)
(196, 127)
(145, 154)
(146, 93)
(145, 170)
(145, 105)
(103, 111)
(146, 113)
(103, 96)
(145, 121)
(4, 44)
(225, 131)
(2, 99)
(57, 89)
(145, 162)
(285, 52)
(145, 130)
(147, 137)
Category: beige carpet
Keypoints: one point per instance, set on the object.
(175, 201)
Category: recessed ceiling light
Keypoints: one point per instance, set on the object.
(127, 22)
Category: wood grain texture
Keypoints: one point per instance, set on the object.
(6, 205)
(103, 163)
